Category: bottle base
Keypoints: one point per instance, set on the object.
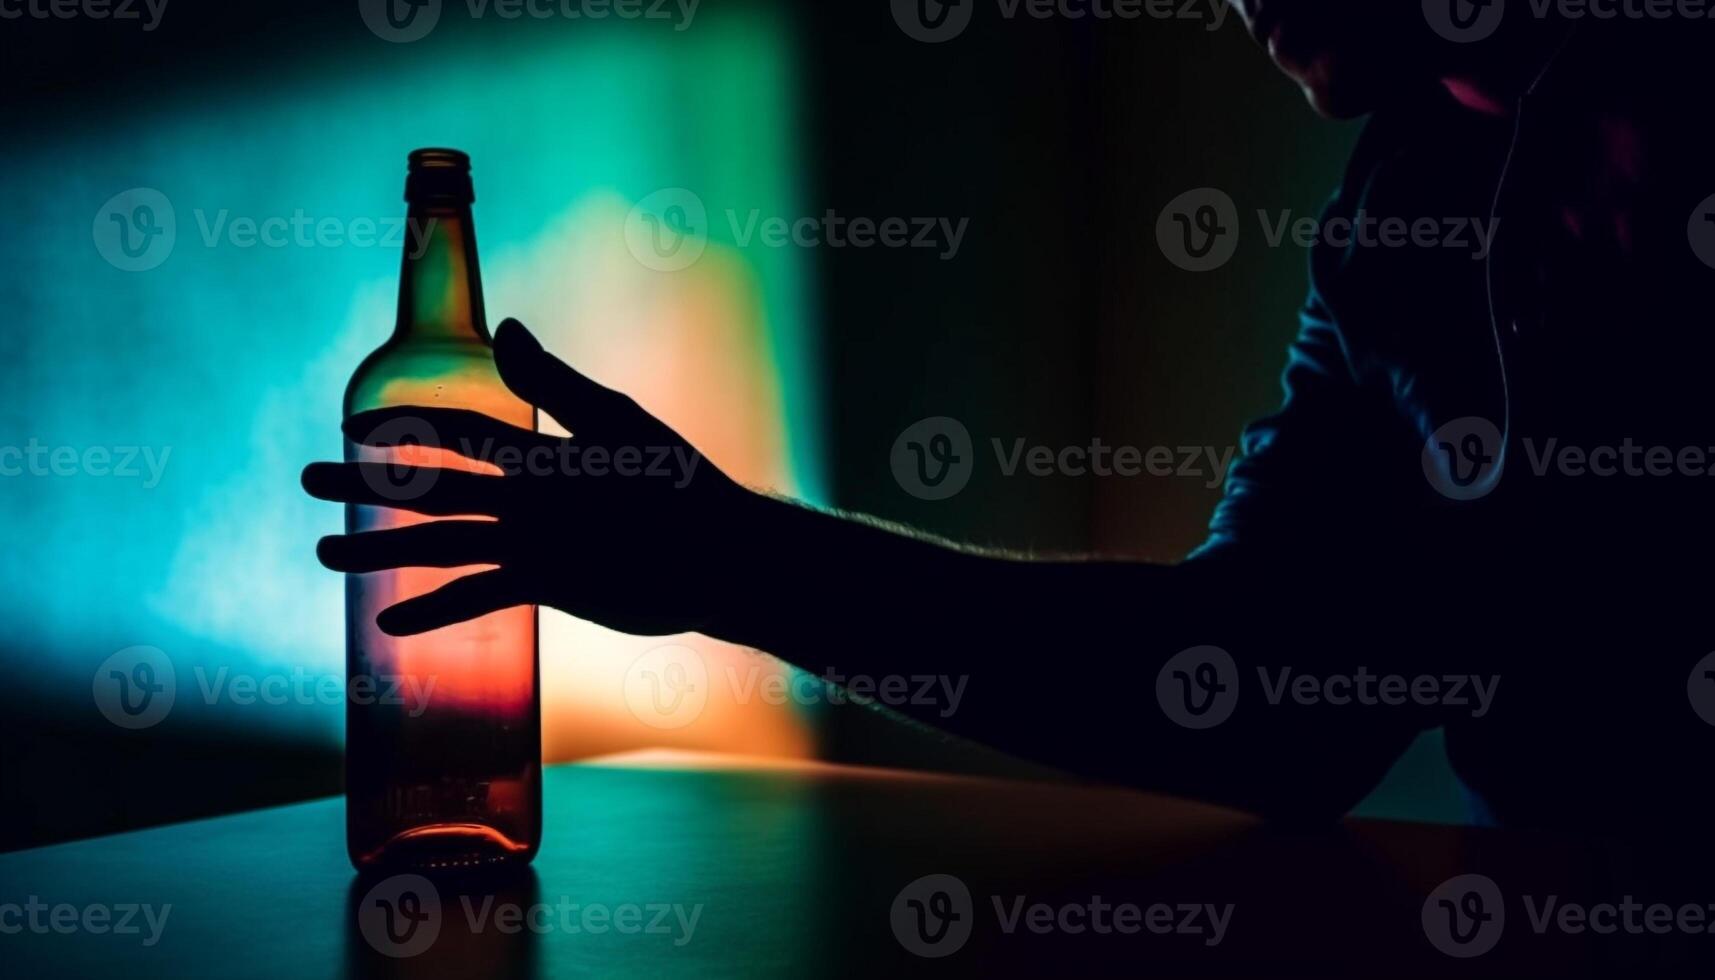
(445, 846)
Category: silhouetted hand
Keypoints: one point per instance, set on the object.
(624, 523)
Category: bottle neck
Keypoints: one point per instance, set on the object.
(440, 286)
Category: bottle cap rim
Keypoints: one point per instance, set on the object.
(439, 173)
(435, 157)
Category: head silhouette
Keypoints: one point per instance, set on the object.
(1354, 56)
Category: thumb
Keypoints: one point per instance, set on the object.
(552, 385)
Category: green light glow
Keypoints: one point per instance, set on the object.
(231, 355)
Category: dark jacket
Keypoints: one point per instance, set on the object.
(1573, 568)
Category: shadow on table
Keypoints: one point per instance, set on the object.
(457, 925)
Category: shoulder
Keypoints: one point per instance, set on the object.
(1424, 160)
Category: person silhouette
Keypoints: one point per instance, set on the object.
(1483, 505)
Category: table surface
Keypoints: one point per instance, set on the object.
(670, 865)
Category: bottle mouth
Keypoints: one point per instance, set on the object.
(439, 175)
(435, 156)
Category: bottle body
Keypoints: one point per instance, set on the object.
(443, 729)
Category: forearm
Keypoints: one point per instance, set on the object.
(830, 589)
(1057, 661)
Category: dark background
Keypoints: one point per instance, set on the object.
(1059, 321)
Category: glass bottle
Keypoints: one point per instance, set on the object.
(443, 729)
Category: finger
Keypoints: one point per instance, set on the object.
(437, 544)
(459, 600)
(467, 433)
(422, 489)
(543, 380)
